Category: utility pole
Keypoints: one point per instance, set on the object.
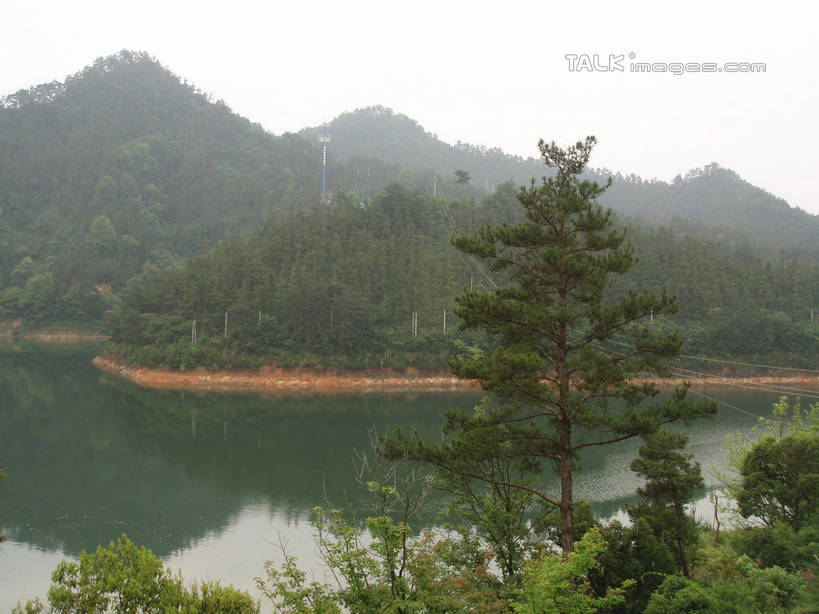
(445, 321)
(226, 325)
(193, 331)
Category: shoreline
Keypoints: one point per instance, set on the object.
(270, 378)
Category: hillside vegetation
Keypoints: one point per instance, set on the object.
(111, 179)
(336, 285)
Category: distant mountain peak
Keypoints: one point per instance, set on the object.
(49, 92)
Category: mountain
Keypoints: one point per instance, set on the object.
(123, 167)
(124, 170)
(712, 195)
(125, 139)
(379, 132)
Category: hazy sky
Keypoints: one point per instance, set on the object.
(489, 76)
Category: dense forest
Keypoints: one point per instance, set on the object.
(111, 179)
(122, 168)
(337, 285)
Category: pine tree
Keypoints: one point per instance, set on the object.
(559, 387)
(671, 480)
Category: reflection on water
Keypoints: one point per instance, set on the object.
(213, 483)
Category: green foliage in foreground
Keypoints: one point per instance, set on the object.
(745, 589)
(780, 479)
(560, 584)
(451, 573)
(671, 481)
(129, 580)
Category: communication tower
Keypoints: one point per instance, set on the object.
(324, 139)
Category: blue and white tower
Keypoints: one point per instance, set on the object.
(324, 139)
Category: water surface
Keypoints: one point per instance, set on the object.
(214, 484)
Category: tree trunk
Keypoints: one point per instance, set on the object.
(566, 497)
(566, 501)
(680, 511)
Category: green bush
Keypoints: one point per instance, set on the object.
(129, 580)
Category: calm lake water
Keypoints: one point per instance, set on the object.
(214, 484)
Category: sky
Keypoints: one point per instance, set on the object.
(502, 76)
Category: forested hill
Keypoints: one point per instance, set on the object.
(122, 167)
(711, 195)
(336, 286)
(379, 132)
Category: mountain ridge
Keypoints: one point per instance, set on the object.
(712, 194)
(124, 170)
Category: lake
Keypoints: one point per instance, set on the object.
(215, 484)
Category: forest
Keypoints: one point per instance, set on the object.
(111, 179)
(336, 286)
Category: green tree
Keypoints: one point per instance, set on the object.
(387, 571)
(744, 589)
(462, 177)
(671, 480)
(127, 579)
(787, 418)
(560, 585)
(554, 380)
(780, 479)
(102, 236)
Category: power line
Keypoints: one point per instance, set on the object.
(734, 407)
(747, 364)
(730, 362)
(452, 228)
(680, 371)
(727, 381)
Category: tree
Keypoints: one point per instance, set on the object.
(787, 419)
(102, 236)
(387, 570)
(561, 585)
(780, 479)
(553, 378)
(671, 480)
(127, 579)
(462, 177)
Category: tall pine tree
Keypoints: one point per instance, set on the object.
(560, 386)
